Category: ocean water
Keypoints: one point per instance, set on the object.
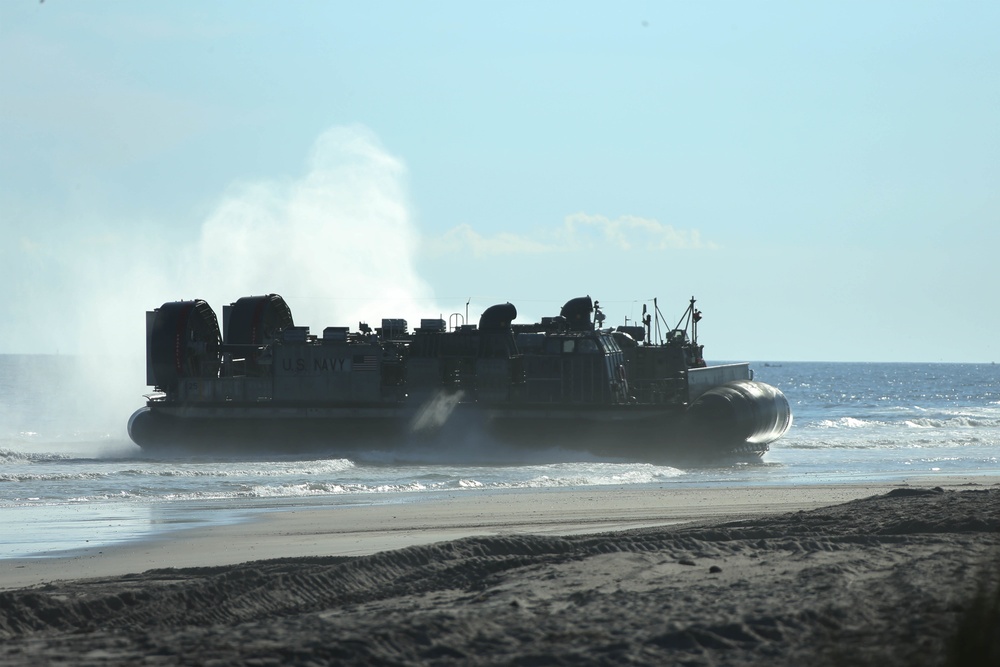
(70, 478)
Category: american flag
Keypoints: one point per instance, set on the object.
(364, 362)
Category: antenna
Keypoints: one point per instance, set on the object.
(646, 322)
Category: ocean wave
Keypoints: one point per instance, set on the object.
(595, 474)
(56, 477)
(18, 456)
(73, 480)
(962, 420)
(928, 439)
(826, 445)
(104, 470)
(551, 477)
(263, 469)
(305, 489)
(845, 422)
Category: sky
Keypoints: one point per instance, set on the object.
(822, 177)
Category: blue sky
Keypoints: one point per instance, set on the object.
(821, 176)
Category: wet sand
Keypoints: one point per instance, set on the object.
(833, 574)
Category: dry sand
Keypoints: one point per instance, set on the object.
(842, 574)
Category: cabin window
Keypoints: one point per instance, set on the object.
(530, 342)
(587, 346)
(568, 346)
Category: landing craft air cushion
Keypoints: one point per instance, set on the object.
(565, 382)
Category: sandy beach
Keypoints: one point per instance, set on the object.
(828, 574)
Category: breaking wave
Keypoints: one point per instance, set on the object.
(947, 421)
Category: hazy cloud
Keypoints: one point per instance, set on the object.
(466, 239)
(627, 232)
(579, 231)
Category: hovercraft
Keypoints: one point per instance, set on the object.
(263, 382)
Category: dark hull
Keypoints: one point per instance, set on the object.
(645, 433)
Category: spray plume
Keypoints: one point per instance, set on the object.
(338, 243)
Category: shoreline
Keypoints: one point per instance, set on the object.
(362, 529)
(740, 577)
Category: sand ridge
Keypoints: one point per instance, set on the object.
(878, 580)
